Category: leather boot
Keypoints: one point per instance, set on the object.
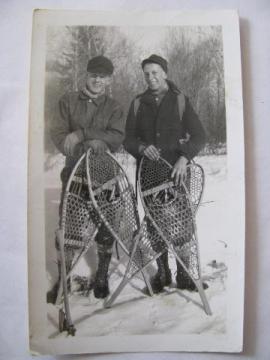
(52, 294)
(101, 287)
(184, 282)
(163, 276)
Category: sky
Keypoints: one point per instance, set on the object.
(151, 38)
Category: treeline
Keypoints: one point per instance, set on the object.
(194, 54)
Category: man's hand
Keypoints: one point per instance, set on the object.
(151, 152)
(99, 147)
(71, 141)
(179, 172)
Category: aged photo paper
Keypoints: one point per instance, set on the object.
(131, 262)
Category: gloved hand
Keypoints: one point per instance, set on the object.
(98, 146)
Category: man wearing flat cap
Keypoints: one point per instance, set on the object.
(162, 122)
(89, 119)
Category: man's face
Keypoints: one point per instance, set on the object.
(155, 76)
(96, 83)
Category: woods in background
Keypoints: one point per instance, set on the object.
(194, 54)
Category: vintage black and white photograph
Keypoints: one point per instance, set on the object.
(136, 186)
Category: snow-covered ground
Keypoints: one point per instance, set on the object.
(173, 311)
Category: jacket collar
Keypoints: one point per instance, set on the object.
(148, 96)
(97, 101)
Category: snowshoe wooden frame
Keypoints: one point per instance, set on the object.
(192, 201)
(77, 230)
(129, 240)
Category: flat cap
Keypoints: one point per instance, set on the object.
(156, 59)
(100, 65)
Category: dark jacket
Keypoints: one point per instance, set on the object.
(100, 118)
(160, 125)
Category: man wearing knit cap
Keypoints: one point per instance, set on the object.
(162, 122)
(89, 118)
